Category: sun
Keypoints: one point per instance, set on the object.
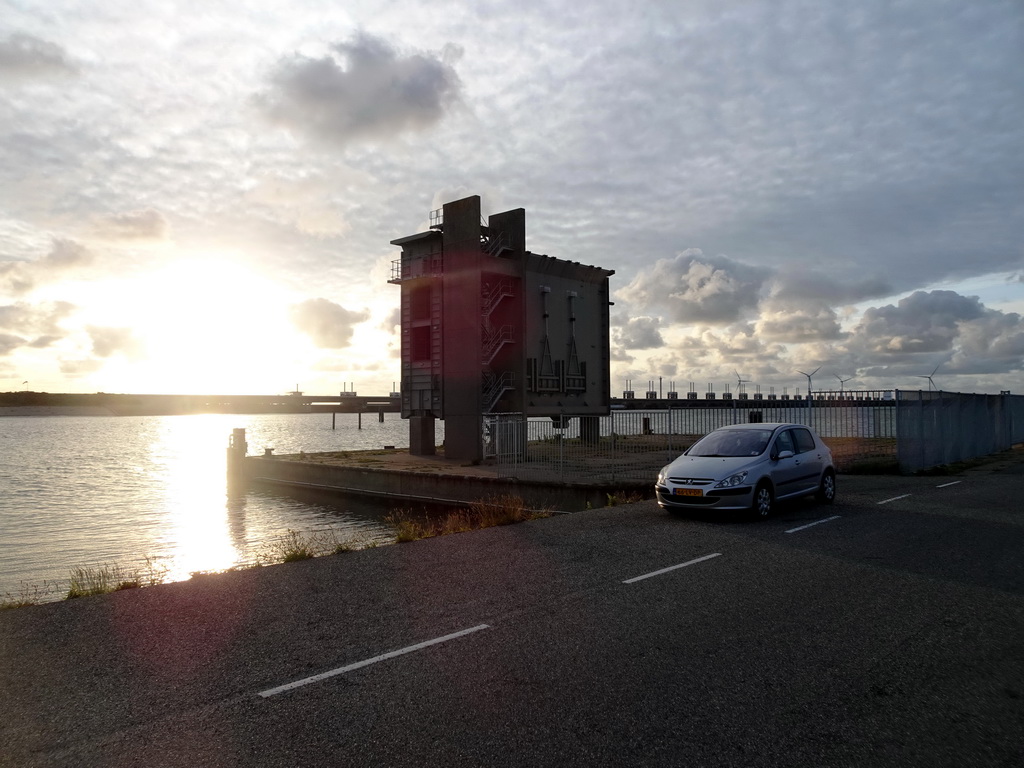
(205, 326)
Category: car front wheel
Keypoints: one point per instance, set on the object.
(764, 500)
(827, 490)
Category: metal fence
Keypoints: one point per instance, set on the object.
(938, 428)
(630, 445)
(914, 429)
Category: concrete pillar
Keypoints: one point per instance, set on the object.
(462, 372)
(421, 436)
(237, 449)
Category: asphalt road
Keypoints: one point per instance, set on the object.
(887, 629)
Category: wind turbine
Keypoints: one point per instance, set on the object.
(929, 377)
(808, 375)
(740, 381)
(842, 381)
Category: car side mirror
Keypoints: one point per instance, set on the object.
(785, 455)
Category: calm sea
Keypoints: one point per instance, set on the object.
(89, 491)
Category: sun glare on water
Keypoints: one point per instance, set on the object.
(201, 530)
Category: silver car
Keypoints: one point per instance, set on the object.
(749, 467)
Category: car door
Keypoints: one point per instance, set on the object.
(786, 471)
(808, 459)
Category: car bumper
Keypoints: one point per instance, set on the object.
(725, 498)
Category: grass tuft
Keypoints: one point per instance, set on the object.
(296, 545)
(485, 513)
(100, 580)
(624, 497)
(29, 594)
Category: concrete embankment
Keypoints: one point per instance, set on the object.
(397, 476)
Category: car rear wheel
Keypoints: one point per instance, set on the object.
(764, 500)
(827, 490)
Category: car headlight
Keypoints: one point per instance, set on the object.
(661, 475)
(738, 479)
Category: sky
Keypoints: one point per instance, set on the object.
(199, 197)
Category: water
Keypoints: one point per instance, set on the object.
(150, 491)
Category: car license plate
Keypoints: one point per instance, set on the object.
(689, 492)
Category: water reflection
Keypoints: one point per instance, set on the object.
(206, 524)
(199, 533)
(95, 491)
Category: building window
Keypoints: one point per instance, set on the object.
(419, 302)
(419, 342)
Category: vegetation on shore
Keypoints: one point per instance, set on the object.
(291, 547)
(103, 579)
(113, 578)
(486, 513)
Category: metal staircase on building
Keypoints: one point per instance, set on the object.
(494, 293)
(493, 338)
(495, 246)
(496, 385)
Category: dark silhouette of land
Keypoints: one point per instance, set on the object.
(138, 405)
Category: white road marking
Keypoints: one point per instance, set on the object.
(671, 568)
(946, 485)
(894, 498)
(359, 664)
(816, 522)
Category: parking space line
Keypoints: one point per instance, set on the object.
(946, 485)
(816, 522)
(671, 568)
(894, 498)
(367, 662)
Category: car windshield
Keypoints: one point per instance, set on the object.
(732, 442)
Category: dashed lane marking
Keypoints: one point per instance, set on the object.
(367, 662)
(894, 498)
(816, 522)
(946, 485)
(671, 568)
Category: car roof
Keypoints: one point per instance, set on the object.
(762, 425)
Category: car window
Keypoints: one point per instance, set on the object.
(785, 442)
(804, 440)
(732, 442)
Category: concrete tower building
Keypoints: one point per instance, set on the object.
(488, 327)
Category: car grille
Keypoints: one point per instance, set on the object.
(698, 481)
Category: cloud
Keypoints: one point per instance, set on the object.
(148, 224)
(33, 325)
(990, 344)
(9, 343)
(65, 256)
(922, 322)
(799, 283)
(15, 279)
(42, 342)
(329, 325)
(107, 341)
(75, 368)
(362, 89)
(307, 204)
(638, 332)
(958, 333)
(798, 322)
(694, 288)
(24, 57)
